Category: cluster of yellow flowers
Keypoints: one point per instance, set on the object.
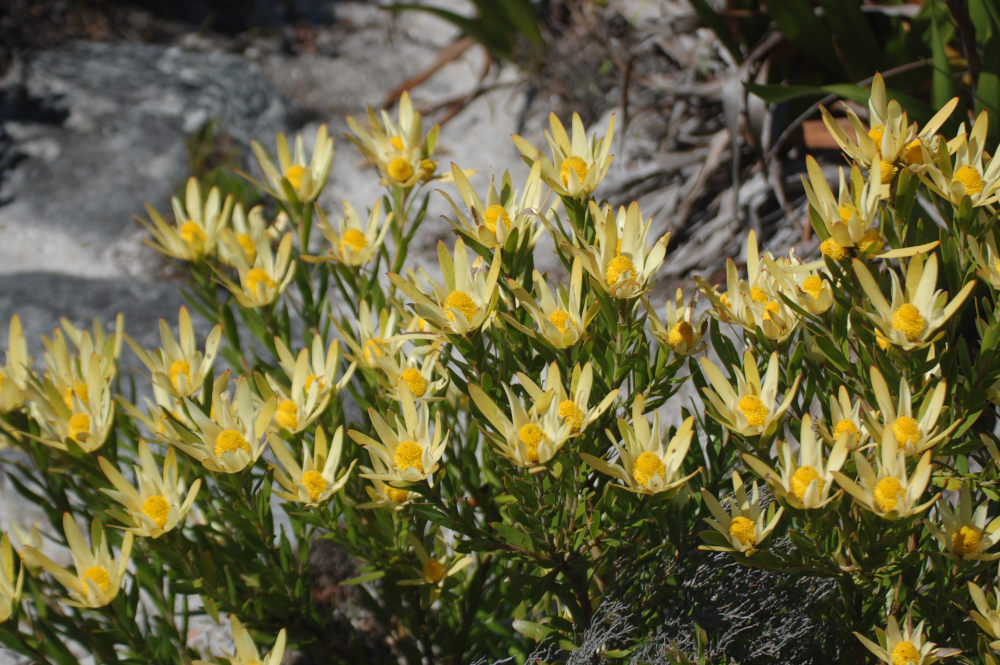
(427, 349)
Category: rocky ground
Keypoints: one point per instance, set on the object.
(99, 104)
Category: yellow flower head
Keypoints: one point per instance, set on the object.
(352, 242)
(573, 407)
(232, 435)
(464, 302)
(577, 165)
(408, 452)
(745, 526)
(196, 227)
(645, 465)
(680, 331)
(962, 532)
(502, 214)
(913, 435)
(294, 178)
(435, 570)
(845, 421)
(262, 281)
(805, 479)
(73, 401)
(157, 503)
(309, 382)
(98, 575)
(890, 141)
(621, 262)
(888, 491)
(970, 172)
(315, 480)
(397, 149)
(749, 408)
(917, 309)
(178, 367)
(904, 647)
(531, 437)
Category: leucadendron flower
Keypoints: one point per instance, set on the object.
(399, 150)
(888, 490)
(464, 302)
(420, 372)
(845, 421)
(98, 575)
(353, 242)
(745, 527)
(261, 281)
(375, 336)
(309, 382)
(577, 165)
(408, 452)
(913, 435)
(917, 309)
(621, 262)
(10, 586)
(246, 649)
(296, 179)
(971, 172)
(531, 437)
(891, 141)
(502, 214)
(561, 316)
(645, 465)
(805, 478)
(680, 330)
(234, 433)
(572, 407)
(16, 368)
(196, 227)
(750, 407)
(157, 503)
(178, 367)
(906, 646)
(962, 532)
(435, 570)
(315, 480)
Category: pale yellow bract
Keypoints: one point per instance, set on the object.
(315, 480)
(750, 407)
(622, 262)
(888, 490)
(352, 242)
(917, 308)
(178, 367)
(464, 302)
(294, 178)
(964, 533)
(246, 652)
(196, 227)
(157, 503)
(905, 646)
(577, 165)
(233, 435)
(745, 527)
(98, 575)
(805, 479)
(645, 465)
(10, 586)
(407, 452)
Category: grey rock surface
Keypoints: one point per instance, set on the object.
(102, 131)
